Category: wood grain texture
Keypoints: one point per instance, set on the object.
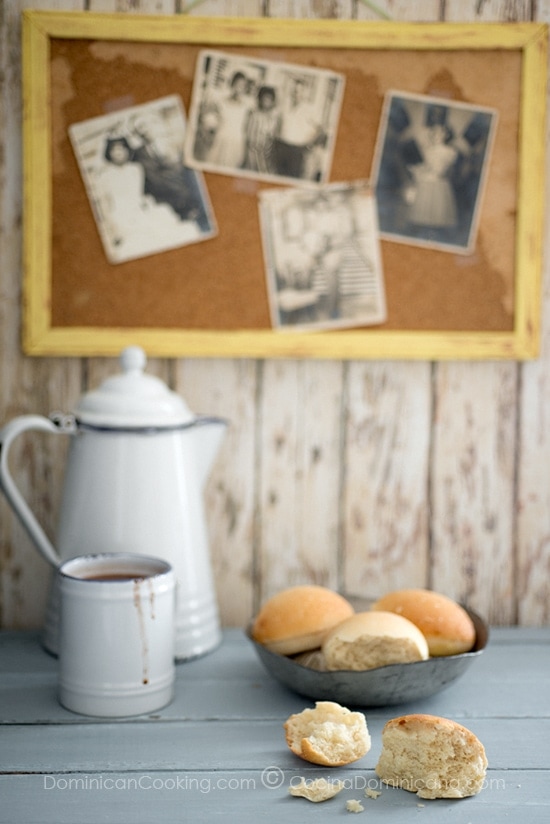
(299, 483)
(386, 459)
(57, 767)
(229, 389)
(362, 476)
(473, 487)
(26, 385)
(533, 450)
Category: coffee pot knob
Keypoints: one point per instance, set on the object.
(133, 359)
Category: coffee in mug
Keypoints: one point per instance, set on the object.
(117, 634)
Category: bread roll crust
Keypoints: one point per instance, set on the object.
(298, 618)
(328, 734)
(446, 625)
(368, 640)
(431, 756)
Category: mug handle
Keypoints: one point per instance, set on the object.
(7, 435)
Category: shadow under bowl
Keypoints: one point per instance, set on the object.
(383, 686)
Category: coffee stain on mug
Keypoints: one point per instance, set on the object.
(151, 598)
(138, 582)
(142, 631)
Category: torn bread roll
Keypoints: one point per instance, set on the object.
(431, 756)
(368, 640)
(446, 625)
(329, 734)
(297, 619)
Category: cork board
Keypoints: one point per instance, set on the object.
(210, 298)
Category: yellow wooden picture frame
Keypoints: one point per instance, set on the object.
(41, 336)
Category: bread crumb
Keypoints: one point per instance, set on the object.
(318, 789)
(372, 793)
(354, 806)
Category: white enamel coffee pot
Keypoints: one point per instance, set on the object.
(136, 467)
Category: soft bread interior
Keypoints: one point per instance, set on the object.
(329, 734)
(432, 757)
(373, 639)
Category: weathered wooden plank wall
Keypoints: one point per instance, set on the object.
(360, 475)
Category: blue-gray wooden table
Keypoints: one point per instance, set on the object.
(218, 751)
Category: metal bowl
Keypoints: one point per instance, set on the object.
(383, 686)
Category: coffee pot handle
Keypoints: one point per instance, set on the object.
(7, 435)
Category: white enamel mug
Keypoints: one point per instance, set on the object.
(117, 634)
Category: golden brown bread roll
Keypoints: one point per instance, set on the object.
(373, 639)
(329, 734)
(446, 625)
(298, 618)
(431, 756)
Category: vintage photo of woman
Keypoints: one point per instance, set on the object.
(429, 171)
(262, 119)
(322, 256)
(143, 196)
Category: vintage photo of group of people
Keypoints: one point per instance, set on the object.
(143, 168)
(273, 121)
(323, 256)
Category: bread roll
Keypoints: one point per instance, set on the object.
(329, 734)
(297, 619)
(373, 639)
(447, 627)
(432, 757)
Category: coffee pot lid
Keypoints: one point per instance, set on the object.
(133, 399)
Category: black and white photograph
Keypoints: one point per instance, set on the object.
(263, 119)
(431, 162)
(322, 257)
(144, 198)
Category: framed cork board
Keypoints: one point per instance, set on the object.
(210, 297)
